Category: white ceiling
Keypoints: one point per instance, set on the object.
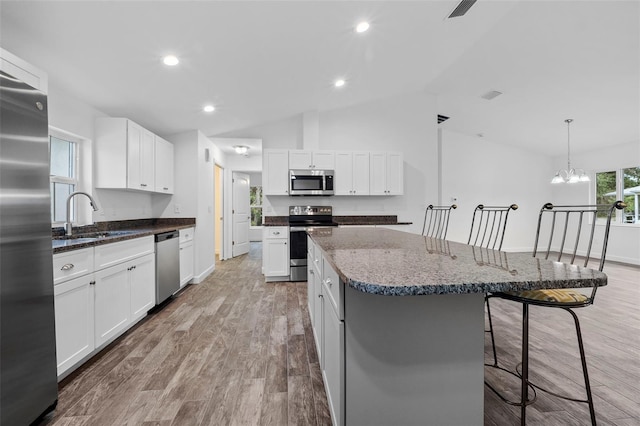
(263, 61)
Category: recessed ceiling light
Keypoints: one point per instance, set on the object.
(170, 60)
(362, 27)
(339, 83)
(209, 108)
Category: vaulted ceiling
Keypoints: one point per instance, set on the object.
(263, 61)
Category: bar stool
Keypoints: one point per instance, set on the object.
(488, 226)
(573, 218)
(438, 217)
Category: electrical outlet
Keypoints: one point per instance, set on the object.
(176, 208)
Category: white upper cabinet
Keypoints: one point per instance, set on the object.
(275, 172)
(321, 160)
(140, 158)
(386, 173)
(351, 173)
(126, 158)
(164, 166)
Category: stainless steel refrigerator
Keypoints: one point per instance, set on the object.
(28, 381)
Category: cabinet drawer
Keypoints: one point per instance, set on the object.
(276, 232)
(114, 253)
(72, 264)
(333, 288)
(186, 235)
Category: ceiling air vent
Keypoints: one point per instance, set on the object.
(442, 118)
(462, 8)
(491, 95)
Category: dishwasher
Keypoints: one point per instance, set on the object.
(167, 265)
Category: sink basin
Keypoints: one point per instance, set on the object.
(94, 235)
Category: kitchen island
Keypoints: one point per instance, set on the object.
(398, 319)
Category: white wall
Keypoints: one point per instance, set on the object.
(405, 123)
(194, 194)
(478, 171)
(624, 239)
(286, 134)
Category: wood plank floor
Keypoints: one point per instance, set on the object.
(237, 350)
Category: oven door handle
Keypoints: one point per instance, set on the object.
(298, 229)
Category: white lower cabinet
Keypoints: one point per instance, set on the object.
(275, 253)
(74, 321)
(333, 370)
(112, 302)
(115, 289)
(186, 256)
(327, 320)
(142, 283)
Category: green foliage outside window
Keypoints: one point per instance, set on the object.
(255, 200)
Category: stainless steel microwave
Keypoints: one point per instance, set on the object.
(310, 182)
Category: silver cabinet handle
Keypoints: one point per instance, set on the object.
(276, 233)
(329, 282)
(67, 267)
(311, 271)
(165, 188)
(92, 283)
(143, 184)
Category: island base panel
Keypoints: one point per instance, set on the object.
(414, 359)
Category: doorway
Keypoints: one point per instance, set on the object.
(218, 215)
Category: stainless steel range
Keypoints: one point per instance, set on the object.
(302, 218)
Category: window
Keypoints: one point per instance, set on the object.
(63, 175)
(255, 197)
(623, 184)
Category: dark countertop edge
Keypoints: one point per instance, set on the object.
(343, 220)
(427, 290)
(140, 232)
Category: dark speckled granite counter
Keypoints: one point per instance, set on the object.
(387, 262)
(343, 220)
(118, 231)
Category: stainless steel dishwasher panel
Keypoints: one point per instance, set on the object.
(167, 265)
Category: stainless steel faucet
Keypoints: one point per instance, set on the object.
(68, 226)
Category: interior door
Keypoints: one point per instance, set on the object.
(241, 214)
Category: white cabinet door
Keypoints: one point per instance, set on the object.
(140, 158)
(300, 159)
(275, 251)
(377, 173)
(351, 173)
(324, 160)
(321, 160)
(395, 172)
(343, 174)
(277, 258)
(360, 179)
(318, 312)
(112, 302)
(164, 178)
(74, 321)
(275, 172)
(386, 173)
(142, 273)
(186, 263)
(333, 372)
(310, 289)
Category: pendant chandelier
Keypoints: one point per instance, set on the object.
(570, 175)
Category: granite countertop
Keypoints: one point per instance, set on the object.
(116, 231)
(343, 220)
(394, 263)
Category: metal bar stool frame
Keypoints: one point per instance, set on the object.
(568, 211)
(438, 217)
(489, 224)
